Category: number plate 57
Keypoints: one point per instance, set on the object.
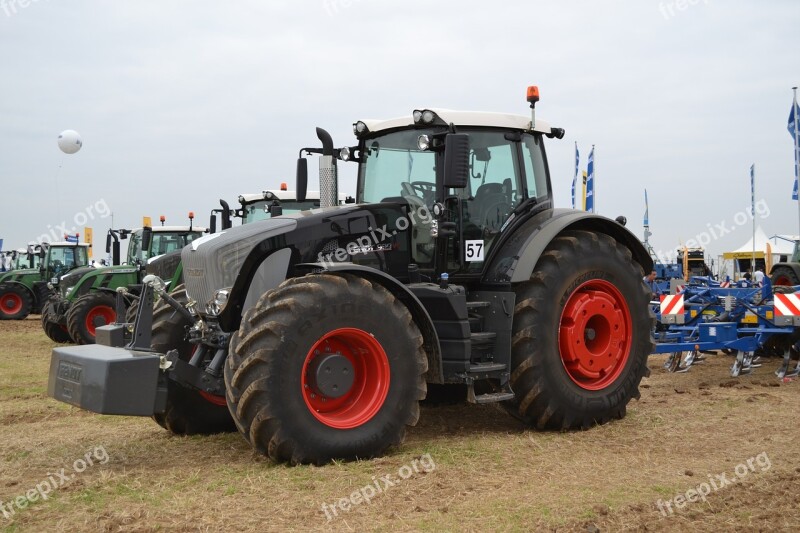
(474, 250)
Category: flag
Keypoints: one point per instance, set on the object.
(590, 183)
(575, 178)
(794, 116)
(753, 189)
(646, 210)
(573, 191)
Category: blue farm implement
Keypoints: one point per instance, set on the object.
(745, 321)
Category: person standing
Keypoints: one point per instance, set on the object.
(650, 281)
(758, 277)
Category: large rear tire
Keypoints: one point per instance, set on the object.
(188, 411)
(278, 374)
(55, 331)
(16, 301)
(784, 275)
(88, 313)
(581, 334)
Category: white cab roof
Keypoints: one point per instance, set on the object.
(465, 118)
(280, 195)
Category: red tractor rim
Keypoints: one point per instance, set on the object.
(98, 314)
(370, 385)
(782, 280)
(207, 396)
(11, 303)
(594, 334)
(213, 398)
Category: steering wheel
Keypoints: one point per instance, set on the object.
(423, 189)
(495, 216)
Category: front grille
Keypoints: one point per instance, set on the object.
(213, 262)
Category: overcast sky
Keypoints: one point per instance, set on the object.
(181, 103)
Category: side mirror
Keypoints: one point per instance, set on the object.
(301, 184)
(108, 242)
(456, 160)
(147, 238)
(212, 222)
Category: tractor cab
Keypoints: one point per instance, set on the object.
(146, 242)
(24, 259)
(62, 257)
(271, 203)
(456, 223)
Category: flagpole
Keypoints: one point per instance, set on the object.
(753, 216)
(796, 153)
(594, 183)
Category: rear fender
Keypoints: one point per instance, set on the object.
(517, 259)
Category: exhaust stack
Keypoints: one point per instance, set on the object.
(328, 180)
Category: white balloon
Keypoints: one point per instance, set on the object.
(69, 141)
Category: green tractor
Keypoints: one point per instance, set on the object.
(85, 298)
(316, 334)
(787, 273)
(25, 290)
(21, 259)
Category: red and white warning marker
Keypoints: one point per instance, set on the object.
(786, 304)
(672, 304)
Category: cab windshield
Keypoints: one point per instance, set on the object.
(161, 243)
(62, 259)
(260, 210)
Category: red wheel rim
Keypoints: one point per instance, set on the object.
(782, 280)
(594, 334)
(213, 398)
(99, 316)
(362, 401)
(207, 396)
(11, 303)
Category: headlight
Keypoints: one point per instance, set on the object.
(54, 280)
(423, 142)
(216, 305)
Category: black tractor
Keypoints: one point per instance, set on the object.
(316, 334)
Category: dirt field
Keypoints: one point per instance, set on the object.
(462, 468)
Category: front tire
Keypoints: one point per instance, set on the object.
(55, 331)
(88, 313)
(581, 334)
(16, 301)
(188, 411)
(277, 376)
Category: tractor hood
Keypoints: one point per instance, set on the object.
(213, 262)
(71, 278)
(266, 251)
